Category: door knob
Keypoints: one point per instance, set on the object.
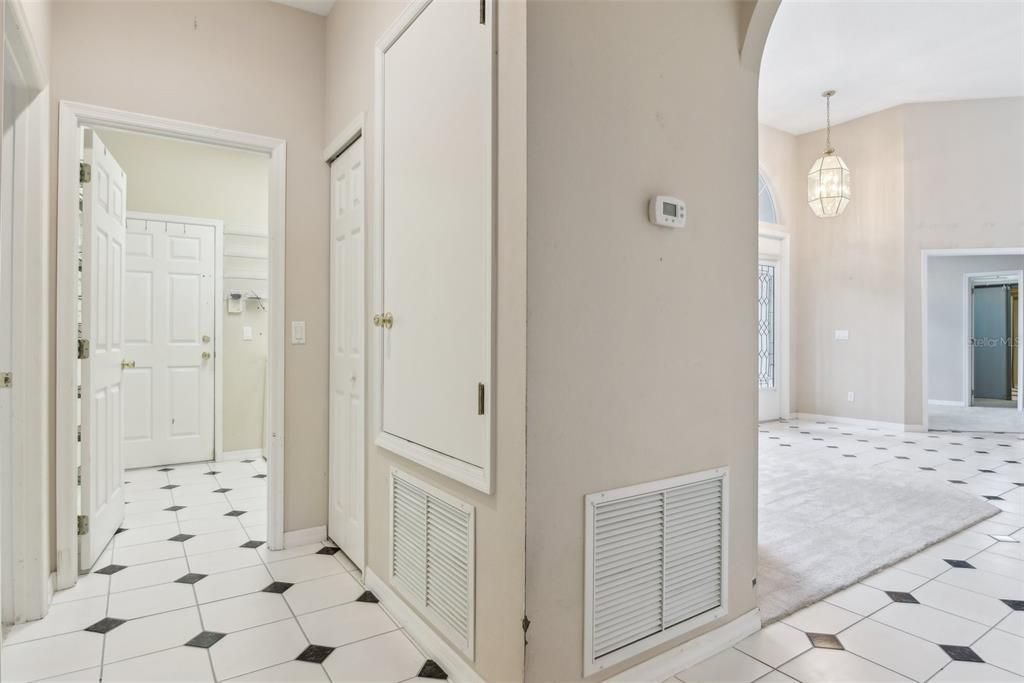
(206, 339)
(387, 320)
(206, 355)
(127, 364)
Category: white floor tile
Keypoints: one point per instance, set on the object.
(972, 672)
(153, 600)
(999, 564)
(908, 655)
(1014, 624)
(180, 665)
(91, 675)
(244, 611)
(142, 519)
(775, 644)
(289, 672)
(387, 658)
(63, 618)
(232, 583)
(927, 566)
(209, 525)
(207, 543)
(269, 555)
(776, 677)
(836, 666)
(328, 591)
(728, 666)
(1002, 649)
(304, 568)
(337, 626)
(87, 586)
(860, 599)
(150, 574)
(51, 656)
(931, 624)
(893, 579)
(821, 618)
(150, 552)
(986, 583)
(964, 603)
(146, 534)
(152, 634)
(223, 560)
(257, 648)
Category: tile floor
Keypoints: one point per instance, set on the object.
(189, 592)
(951, 613)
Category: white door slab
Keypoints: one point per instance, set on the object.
(169, 325)
(104, 204)
(347, 363)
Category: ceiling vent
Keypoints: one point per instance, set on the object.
(655, 564)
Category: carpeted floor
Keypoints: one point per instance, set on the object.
(838, 503)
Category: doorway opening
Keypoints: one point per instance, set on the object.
(175, 267)
(772, 309)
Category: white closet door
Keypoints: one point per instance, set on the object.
(103, 238)
(436, 94)
(348, 333)
(169, 330)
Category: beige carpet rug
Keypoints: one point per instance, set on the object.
(826, 522)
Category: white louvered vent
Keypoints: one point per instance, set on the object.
(433, 556)
(656, 564)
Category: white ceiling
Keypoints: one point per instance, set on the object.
(321, 7)
(878, 55)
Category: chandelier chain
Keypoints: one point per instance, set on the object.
(828, 122)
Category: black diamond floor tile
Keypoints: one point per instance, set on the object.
(181, 538)
(205, 639)
(928, 469)
(174, 508)
(221, 490)
(897, 596)
(315, 654)
(432, 669)
(1016, 605)
(110, 569)
(171, 486)
(960, 564)
(211, 473)
(119, 530)
(234, 513)
(825, 641)
(248, 461)
(326, 550)
(251, 544)
(957, 481)
(105, 625)
(278, 587)
(165, 469)
(190, 578)
(993, 498)
(259, 476)
(961, 653)
(367, 596)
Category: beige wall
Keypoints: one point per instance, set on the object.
(168, 176)
(352, 29)
(257, 67)
(641, 355)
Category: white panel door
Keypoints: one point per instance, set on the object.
(103, 240)
(169, 341)
(437, 223)
(348, 323)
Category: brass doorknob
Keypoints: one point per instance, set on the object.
(387, 320)
(376, 320)
(206, 355)
(127, 364)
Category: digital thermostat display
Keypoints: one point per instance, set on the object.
(668, 212)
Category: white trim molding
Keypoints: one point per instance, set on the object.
(349, 134)
(243, 454)
(436, 647)
(878, 424)
(300, 537)
(937, 402)
(72, 117)
(666, 665)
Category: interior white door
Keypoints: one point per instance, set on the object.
(348, 383)
(102, 242)
(437, 221)
(7, 198)
(769, 341)
(169, 305)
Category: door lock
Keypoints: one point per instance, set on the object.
(206, 339)
(206, 355)
(385, 320)
(127, 364)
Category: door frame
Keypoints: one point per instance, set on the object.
(28, 487)
(355, 130)
(72, 117)
(926, 255)
(783, 315)
(1002, 277)
(218, 313)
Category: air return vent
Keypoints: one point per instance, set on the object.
(655, 564)
(432, 556)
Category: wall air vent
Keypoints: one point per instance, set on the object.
(433, 556)
(655, 564)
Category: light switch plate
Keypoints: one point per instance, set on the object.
(842, 335)
(247, 333)
(298, 332)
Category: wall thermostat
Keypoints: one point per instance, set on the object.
(667, 212)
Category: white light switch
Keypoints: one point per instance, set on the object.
(842, 335)
(246, 333)
(298, 332)
(849, 396)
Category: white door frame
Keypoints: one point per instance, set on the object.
(218, 314)
(72, 117)
(782, 315)
(1007, 277)
(348, 135)
(28, 488)
(925, 255)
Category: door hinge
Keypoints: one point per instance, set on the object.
(78, 433)
(84, 172)
(6, 380)
(483, 11)
(79, 475)
(83, 525)
(480, 398)
(83, 348)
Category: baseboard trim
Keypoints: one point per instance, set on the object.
(878, 424)
(314, 534)
(457, 668)
(666, 665)
(937, 402)
(245, 454)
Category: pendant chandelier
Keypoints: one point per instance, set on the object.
(828, 181)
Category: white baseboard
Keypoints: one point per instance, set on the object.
(314, 534)
(937, 402)
(666, 665)
(878, 424)
(246, 454)
(436, 647)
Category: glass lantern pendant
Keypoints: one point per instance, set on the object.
(828, 181)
